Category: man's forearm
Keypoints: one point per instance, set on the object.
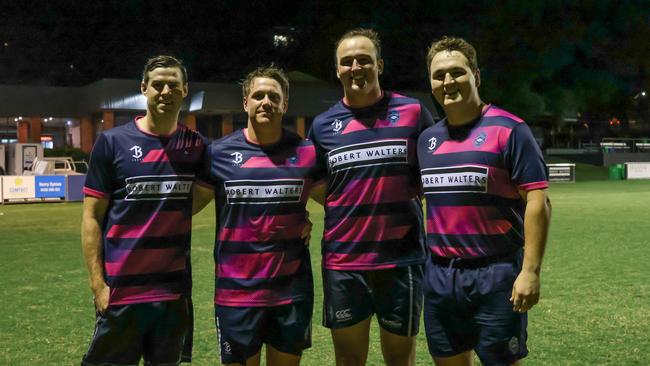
(94, 210)
(91, 237)
(537, 219)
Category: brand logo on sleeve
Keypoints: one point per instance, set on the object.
(263, 191)
(158, 187)
(457, 179)
(394, 151)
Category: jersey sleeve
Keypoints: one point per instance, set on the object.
(100, 170)
(321, 160)
(318, 172)
(310, 133)
(524, 159)
(204, 175)
(426, 120)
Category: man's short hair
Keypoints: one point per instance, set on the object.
(272, 72)
(371, 34)
(453, 44)
(163, 61)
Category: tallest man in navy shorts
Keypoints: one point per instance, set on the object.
(137, 222)
(373, 242)
(485, 183)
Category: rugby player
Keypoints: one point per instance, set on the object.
(373, 241)
(262, 176)
(136, 228)
(485, 184)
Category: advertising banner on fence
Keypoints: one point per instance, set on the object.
(561, 172)
(18, 187)
(638, 170)
(50, 186)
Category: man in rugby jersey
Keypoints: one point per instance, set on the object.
(373, 241)
(262, 176)
(136, 228)
(485, 183)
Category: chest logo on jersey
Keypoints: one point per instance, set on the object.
(380, 152)
(263, 191)
(137, 153)
(337, 125)
(457, 179)
(393, 116)
(237, 158)
(158, 187)
(480, 139)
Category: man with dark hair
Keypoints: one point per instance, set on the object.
(373, 244)
(163, 61)
(488, 216)
(262, 176)
(136, 228)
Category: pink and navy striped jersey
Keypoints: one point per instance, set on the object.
(373, 210)
(471, 176)
(261, 193)
(147, 228)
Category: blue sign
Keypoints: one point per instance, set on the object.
(50, 186)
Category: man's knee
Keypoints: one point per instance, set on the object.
(397, 350)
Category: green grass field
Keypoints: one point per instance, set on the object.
(595, 307)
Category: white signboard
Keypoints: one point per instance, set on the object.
(638, 170)
(18, 187)
(564, 172)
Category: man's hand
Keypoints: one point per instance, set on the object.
(306, 230)
(525, 291)
(101, 298)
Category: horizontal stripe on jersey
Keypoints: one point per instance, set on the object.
(278, 289)
(142, 294)
(472, 246)
(153, 242)
(144, 261)
(172, 278)
(147, 231)
(373, 196)
(471, 177)
(261, 193)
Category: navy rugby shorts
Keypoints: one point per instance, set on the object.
(394, 294)
(159, 332)
(241, 331)
(467, 307)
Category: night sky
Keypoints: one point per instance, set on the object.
(536, 57)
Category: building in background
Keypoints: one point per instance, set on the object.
(74, 116)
